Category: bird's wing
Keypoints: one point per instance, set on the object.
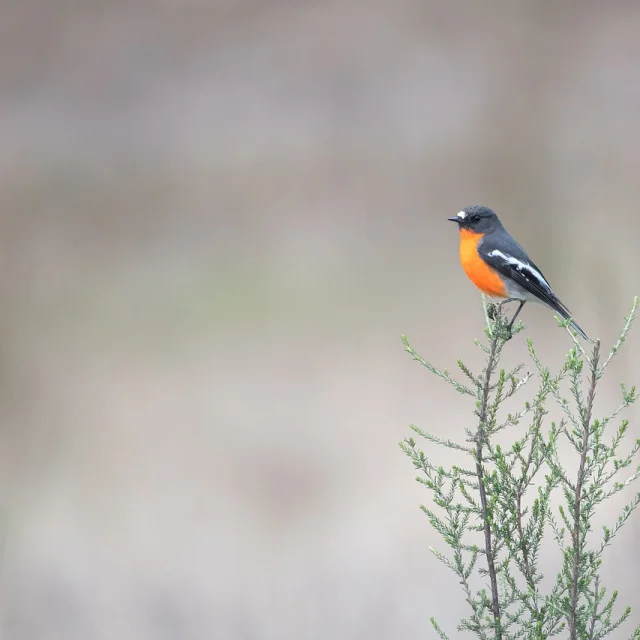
(509, 259)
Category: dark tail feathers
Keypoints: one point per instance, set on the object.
(566, 314)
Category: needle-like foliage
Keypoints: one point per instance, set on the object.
(544, 487)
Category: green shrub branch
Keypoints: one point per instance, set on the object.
(496, 513)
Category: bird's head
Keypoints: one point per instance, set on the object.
(477, 219)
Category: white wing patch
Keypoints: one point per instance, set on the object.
(521, 266)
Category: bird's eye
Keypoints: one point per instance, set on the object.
(475, 219)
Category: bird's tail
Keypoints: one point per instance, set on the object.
(566, 314)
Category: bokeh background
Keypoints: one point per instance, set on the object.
(217, 220)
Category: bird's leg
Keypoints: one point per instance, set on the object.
(515, 315)
(507, 301)
(493, 310)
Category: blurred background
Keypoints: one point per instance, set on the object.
(217, 220)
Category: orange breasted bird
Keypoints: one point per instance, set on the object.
(500, 267)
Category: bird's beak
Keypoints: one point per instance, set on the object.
(455, 219)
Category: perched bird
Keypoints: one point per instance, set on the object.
(499, 266)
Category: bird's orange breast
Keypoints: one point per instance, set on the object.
(479, 272)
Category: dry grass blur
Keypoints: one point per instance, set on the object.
(217, 219)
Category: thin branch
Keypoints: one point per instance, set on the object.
(623, 336)
(480, 436)
(577, 505)
(441, 373)
(596, 601)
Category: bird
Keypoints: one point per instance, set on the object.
(500, 267)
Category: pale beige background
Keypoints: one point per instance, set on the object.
(217, 220)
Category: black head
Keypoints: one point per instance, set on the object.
(478, 219)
